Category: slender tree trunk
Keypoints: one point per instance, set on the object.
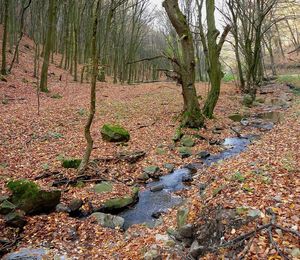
(20, 36)
(48, 45)
(192, 115)
(4, 41)
(87, 132)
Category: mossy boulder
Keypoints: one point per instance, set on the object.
(114, 133)
(70, 163)
(27, 196)
(187, 141)
(103, 187)
(118, 204)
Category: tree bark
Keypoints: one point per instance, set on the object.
(192, 114)
(48, 45)
(4, 41)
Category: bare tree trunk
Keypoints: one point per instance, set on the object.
(20, 37)
(87, 131)
(4, 41)
(48, 45)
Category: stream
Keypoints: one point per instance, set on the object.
(159, 201)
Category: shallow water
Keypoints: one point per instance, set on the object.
(151, 202)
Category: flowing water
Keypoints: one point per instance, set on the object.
(159, 201)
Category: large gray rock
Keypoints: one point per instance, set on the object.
(27, 254)
(114, 133)
(108, 220)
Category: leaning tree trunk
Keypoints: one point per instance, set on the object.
(192, 115)
(87, 131)
(48, 45)
(4, 41)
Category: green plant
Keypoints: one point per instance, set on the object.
(56, 96)
(238, 177)
(45, 166)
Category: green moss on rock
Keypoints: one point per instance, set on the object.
(114, 133)
(117, 204)
(27, 196)
(187, 141)
(70, 163)
(103, 187)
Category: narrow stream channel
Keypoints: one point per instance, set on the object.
(159, 201)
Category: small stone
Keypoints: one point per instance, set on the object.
(62, 208)
(187, 141)
(186, 231)
(151, 170)
(152, 254)
(184, 152)
(235, 117)
(6, 207)
(108, 220)
(114, 133)
(192, 168)
(202, 187)
(170, 167)
(277, 198)
(75, 204)
(156, 214)
(159, 237)
(295, 252)
(143, 177)
(196, 249)
(187, 178)
(254, 213)
(70, 163)
(16, 219)
(158, 187)
(182, 215)
(203, 155)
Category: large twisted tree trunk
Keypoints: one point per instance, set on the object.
(192, 115)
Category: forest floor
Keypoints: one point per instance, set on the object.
(32, 144)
